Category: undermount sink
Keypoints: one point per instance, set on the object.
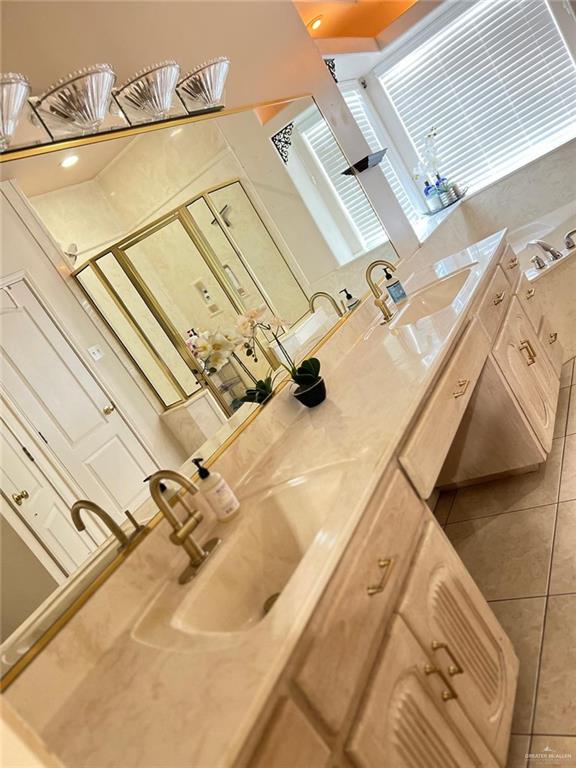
(252, 567)
(431, 299)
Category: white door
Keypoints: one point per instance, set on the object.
(67, 406)
(39, 506)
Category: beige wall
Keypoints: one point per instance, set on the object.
(24, 582)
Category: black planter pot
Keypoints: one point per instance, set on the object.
(313, 395)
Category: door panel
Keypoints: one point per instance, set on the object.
(42, 509)
(65, 404)
(453, 622)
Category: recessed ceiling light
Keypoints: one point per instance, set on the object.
(315, 23)
(69, 161)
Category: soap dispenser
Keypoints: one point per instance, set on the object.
(217, 492)
(351, 301)
(394, 287)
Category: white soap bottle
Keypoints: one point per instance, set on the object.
(217, 493)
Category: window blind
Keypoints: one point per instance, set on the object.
(497, 83)
(357, 107)
(353, 200)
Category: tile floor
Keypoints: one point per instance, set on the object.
(517, 538)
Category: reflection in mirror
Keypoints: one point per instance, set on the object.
(169, 238)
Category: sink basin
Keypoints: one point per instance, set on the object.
(237, 590)
(431, 299)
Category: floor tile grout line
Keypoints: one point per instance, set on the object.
(507, 512)
(516, 597)
(547, 599)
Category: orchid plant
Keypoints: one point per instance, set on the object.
(305, 375)
(214, 348)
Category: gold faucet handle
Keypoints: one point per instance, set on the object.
(383, 307)
(177, 537)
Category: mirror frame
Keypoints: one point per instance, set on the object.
(36, 150)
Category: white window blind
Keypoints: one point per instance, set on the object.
(498, 84)
(350, 194)
(357, 107)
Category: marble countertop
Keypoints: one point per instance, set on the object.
(167, 697)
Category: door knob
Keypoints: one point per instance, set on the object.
(108, 409)
(18, 498)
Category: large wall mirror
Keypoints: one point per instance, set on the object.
(162, 237)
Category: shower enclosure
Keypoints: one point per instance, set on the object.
(193, 269)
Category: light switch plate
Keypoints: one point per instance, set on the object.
(95, 353)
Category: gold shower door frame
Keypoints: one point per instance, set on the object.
(182, 215)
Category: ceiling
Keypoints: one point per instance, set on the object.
(359, 18)
(41, 174)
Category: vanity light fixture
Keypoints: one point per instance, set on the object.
(14, 90)
(203, 87)
(316, 23)
(69, 161)
(78, 101)
(150, 91)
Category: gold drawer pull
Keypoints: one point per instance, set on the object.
(449, 692)
(552, 337)
(455, 668)
(18, 498)
(385, 564)
(108, 409)
(463, 385)
(499, 298)
(530, 293)
(513, 263)
(525, 346)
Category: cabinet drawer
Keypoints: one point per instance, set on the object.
(425, 450)
(510, 263)
(410, 717)
(347, 628)
(530, 302)
(495, 303)
(528, 372)
(447, 613)
(290, 740)
(552, 345)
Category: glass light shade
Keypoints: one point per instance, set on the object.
(79, 101)
(151, 91)
(203, 87)
(14, 90)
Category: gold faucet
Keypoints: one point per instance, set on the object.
(379, 301)
(331, 299)
(181, 534)
(106, 519)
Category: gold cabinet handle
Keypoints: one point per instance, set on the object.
(530, 293)
(385, 565)
(18, 498)
(463, 385)
(108, 409)
(513, 263)
(525, 346)
(455, 667)
(449, 692)
(499, 298)
(552, 337)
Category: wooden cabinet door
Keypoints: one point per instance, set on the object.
(411, 717)
(350, 622)
(526, 368)
(447, 613)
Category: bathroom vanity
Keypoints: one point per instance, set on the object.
(380, 650)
